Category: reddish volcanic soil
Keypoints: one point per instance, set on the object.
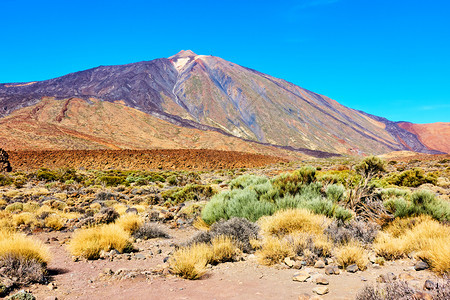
(179, 159)
(435, 136)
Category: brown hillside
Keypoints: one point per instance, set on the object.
(435, 136)
(79, 124)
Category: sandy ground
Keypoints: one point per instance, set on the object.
(238, 280)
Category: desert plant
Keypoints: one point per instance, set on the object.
(150, 231)
(190, 262)
(274, 250)
(223, 249)
(412, 178)
(130, 222)
(370, 167)
(5, 165)
(352, 253)
(357, 230)
(22, 258)
(54, 222)
(292, 220)
(239, 229)
(421, 202)
(335, 192)
(89, 242)
(429, 239)
(190, 192)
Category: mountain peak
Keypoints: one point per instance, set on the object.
(184, 54)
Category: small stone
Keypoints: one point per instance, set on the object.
(329, 270)
(301, 277)
(372, 258)
(319, 264)
(386, 278)
(352, 268)
(108, 271)
(321, 280)
(329, 261)
(51, 298)
(304, 296)
(289, 262)
(429, 285)
(51, 286)
(405, 276)
(376, 266)
(139, 256)
(297, 265)
(75, 258)
(421, 265)
(321, 290)
(363, 279)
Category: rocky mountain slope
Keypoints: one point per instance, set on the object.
(213, 95)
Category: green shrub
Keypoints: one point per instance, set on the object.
(335, 192)
(254, 196)
(190, 192)
(421, 202)
(47, 175)
(370, 167)
(113, 180)
(244, 181)
(13, 207)
(5, 180)
(412, 178)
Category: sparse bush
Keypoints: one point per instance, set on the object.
(5, 180)
(22, 259)
(111, 180)
(412, 178)
(392, 290)
(357, 230)
(370, 167)
(130, 222)
(190, 262)
(274, 250)
(106, 215)
(14, 207)
(335, 192)
(429, 239)
(352, 253)
(293, 220)
(223, 249)
(190, 192)
(240, 229)
(150, 231)
(89, 242)
(422, 202)
(47, 175)
(54, 222)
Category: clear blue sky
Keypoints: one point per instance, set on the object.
(387, 57)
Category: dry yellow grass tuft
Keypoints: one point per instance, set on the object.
(425, 236)
(223, 249)
(352, 253)
(54, 222)
(20, 246)
(200, 224)
(190, 262)
(319, 242)
(25, 218)
(274, 250)
(293, 220)
(130, 222)
(89, 242)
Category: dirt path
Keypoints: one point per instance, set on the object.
(239, 280)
